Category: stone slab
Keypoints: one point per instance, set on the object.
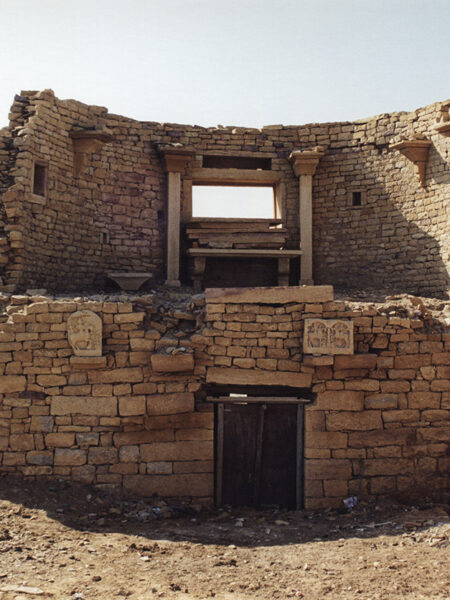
(270, 295)
(255, 377)
(84, 405)
(328, 336)
(172, 363)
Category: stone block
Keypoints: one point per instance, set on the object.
(412, 361)
(132, 406)
(129, 454)
(12, 383)
(21, 441)
(192, 450)
(59, 440)
(87, 438)
(172, 363)
(130, 438)
(356, 361)
(354, 421)
(69, 457)
(328, 336)
(328, 469)
(254, 377)
(51, 380)
(102, 456)
(88, 362)
(159, 468)
(194, 434)
(41, 423)
(194, 466)
(382, 437)
(84, 474)
(270, 295)
(381, 401)
(39, 458)
(339, 400)
(167, 404)
(83, 405)
(11, 459)
(325, 439)
(424, 400)
(181, 421)
(121, 375)
(388, 466)
(180, 485)
(335, 488)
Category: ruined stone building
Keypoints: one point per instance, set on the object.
(118, 369)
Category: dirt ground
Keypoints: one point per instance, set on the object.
(62, 541)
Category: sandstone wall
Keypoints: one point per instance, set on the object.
(112, 216)
(378, 424)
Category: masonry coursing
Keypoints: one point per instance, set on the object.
(377, 425)
(112, 215)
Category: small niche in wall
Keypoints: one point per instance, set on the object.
(104, 237)
(357, 198)
(40, 179)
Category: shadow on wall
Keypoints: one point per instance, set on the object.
(379, 245)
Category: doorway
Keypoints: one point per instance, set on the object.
(259, 451)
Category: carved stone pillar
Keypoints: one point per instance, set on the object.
(174, 164)
(304, 164)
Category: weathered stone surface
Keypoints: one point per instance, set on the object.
(198, 450)
(168, 404)
(328, 336)
(258, 377)
(357, 361)
(69, 457)
(132, 405)
(273, 295)
(172, 363)
(84, 329)
(339, 400)
(353, 421)
(12, 383)
(121, 375)
(83, 405)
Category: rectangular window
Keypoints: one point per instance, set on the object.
(40, 180)
(233, 201)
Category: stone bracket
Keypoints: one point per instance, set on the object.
(417, 152)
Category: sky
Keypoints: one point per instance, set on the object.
(229, 62)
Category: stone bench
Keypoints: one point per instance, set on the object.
(200, 255)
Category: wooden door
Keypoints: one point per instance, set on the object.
(259, 454)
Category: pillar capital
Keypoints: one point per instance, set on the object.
(304, 162)
(175, 159)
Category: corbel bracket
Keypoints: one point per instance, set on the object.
(85, 142)
(417, 152)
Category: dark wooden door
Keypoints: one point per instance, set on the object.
(259, 454)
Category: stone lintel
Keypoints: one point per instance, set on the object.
(232, 376)
(304, 162)
(270, 295)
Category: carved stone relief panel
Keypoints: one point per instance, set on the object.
(328, 336)
(85, 333)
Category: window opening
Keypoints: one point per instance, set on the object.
(357, 198)
(247, 202)
(40, 180)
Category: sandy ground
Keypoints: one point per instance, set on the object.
(63, 541)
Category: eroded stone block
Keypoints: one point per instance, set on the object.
(328, 336)
(84, 329)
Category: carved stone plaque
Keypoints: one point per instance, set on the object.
(85, 333)
(328, 336)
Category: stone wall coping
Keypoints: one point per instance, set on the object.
(270, 295)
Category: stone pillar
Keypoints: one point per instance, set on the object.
(174, 164)
(304, 164)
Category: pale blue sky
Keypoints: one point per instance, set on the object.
(233, 62)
